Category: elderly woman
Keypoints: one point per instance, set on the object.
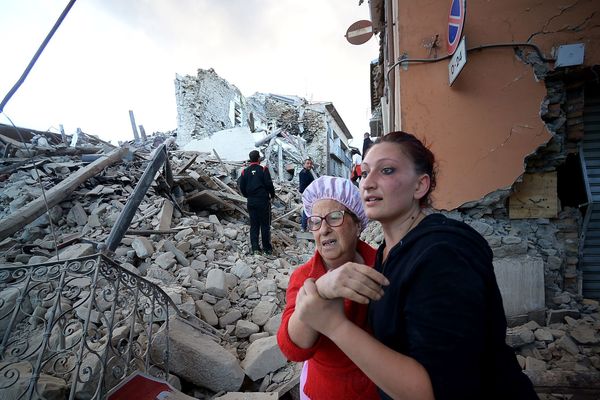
(336, 218)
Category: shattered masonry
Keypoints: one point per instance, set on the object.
(207, 104)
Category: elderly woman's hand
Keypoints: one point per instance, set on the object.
(319, 314)
(356, 282)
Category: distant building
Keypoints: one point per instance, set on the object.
(207, 103)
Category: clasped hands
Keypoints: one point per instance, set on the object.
(320, 303)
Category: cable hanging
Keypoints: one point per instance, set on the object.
(36, 56)
(14, 89)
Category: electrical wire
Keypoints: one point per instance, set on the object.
(482, 47)
(14, 89)
(37, 54)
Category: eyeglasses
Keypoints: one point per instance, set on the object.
(333, 219)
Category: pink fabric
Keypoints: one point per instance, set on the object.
(303, 376)
(334, 188)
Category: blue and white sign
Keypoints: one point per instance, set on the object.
(456, 21)
(458, 61)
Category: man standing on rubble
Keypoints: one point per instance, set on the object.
(367, 142)
(256, 185)
(305, 177)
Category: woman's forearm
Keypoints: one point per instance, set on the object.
(300, 333)
(400, 376)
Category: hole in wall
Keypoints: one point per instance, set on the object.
(570, 183)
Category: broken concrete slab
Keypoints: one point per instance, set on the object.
(215, 282)
(74, 251)
(143, 247)
(522, 282)
(196, 358)
(263, 356)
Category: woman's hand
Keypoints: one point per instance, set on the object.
(356, 282)
(320, 314)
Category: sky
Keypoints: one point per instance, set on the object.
(112, 56)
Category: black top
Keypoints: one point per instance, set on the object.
(305, 177)
(256, 183)
(444, 309)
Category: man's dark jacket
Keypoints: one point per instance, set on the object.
(256, 183)
(366, 144)
(305, 177)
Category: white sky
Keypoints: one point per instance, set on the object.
(112, 56)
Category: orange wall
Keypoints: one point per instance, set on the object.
(482, 128)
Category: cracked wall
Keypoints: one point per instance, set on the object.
(207, 103)
(484, 126)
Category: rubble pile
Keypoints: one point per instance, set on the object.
(190, 237)
(289, 127)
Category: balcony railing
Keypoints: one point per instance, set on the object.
(78, 327)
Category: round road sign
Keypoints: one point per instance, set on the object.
(359, 32)
(456, 21)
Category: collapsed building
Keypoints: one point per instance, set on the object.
(291, 128)
(123, 256)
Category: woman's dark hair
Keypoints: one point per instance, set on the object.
(422, 158)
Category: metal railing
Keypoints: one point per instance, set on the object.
(79, 327)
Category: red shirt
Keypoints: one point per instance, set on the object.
(331, 374)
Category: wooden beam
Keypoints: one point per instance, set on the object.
(535, 197)
(270, 136)
(566, 382)
(206, 198)
(288, 213)
(27, 214)
(280, 162)
(224, 186)
(287, 222)
(143, 133)
(148, 232)
(124, 219)
(221, 163)
(134, 126)
(187, 165)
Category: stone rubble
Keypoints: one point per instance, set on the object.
(202, 261)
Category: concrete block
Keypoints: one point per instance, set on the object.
(521, 283)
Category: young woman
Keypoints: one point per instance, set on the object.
(336, 217)
(439, 329)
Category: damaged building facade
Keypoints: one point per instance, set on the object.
(287, 128)
(514, 135)
(511, 129)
